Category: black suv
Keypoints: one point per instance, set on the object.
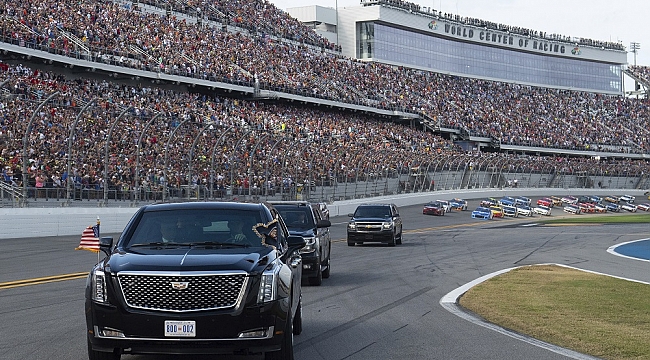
(197, 278)
(375, 223)
(307, 220)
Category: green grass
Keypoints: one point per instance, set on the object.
(593, 314)
(602, 219)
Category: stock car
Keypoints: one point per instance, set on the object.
(627, 198)
(612, 199)
(643, 207)
(610, 206)
(446, 204)
(600, 208)
(572, 209)
(434, 208)
(507, 201)
(548, 202)
(569, 199)
(482, 213)
(510, 211)
(497, 211)
(524, 210)
(628, 207)
(542, 210)
(458, 204)
(557, 201)
(523, 200)
(586, 207)
(488, 202)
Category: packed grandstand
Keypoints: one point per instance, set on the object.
(253, 44)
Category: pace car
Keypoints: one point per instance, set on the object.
(482, 213)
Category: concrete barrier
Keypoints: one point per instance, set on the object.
(61, 221)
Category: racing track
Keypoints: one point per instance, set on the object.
(380, 303)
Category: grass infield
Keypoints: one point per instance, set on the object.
(624, 218)
(593, 314)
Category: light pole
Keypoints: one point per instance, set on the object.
(635, 47)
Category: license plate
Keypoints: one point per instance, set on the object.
(180, 328)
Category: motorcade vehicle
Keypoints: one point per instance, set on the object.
(628, 207)
(375, 223)
(434, 208)
(306, 219)
(627, 198)
(572, 209)
(643, 207)
(548, 202)
(497, 211)
(509, 211)
(482, 213)
(542, 210)
(458, 204)
(524, 210)
(197, 278)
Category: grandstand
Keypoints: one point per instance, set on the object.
(161, 99)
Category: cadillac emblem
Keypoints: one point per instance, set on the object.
(180, 285)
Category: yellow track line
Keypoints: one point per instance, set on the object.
(42, 280)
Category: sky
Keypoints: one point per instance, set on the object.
(606, 20)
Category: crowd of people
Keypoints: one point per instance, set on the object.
(311, 141)
(514, 114)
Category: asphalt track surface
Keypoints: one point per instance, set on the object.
(379, 303)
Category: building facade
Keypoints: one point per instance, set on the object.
(403, 34)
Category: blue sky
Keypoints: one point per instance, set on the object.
(605, 20)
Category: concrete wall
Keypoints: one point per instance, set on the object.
(47, 222)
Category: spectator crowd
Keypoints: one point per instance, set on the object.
(250, 143)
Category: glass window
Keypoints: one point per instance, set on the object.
(385, 43)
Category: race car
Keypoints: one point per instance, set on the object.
(586, 207)
(524, 210)
(507, 201)
(510, 211)
(627, 198)
(482, 213)
(643, 207)
(434, 208)
(522, 200)
(557, 201)
(488, 202)
(628, 207)
(446, 204)
(542, 210)
(613, 199)
(612, 207)
(548, 202)
(569, 199)
(572, 209)
(497, 211)
(458, 204)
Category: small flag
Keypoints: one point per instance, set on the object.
(90, 239)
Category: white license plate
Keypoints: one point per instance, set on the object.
(180, 328)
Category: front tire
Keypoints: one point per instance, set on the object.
(318, 279)
(286, 350)
(297, 320)
(326, 273)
